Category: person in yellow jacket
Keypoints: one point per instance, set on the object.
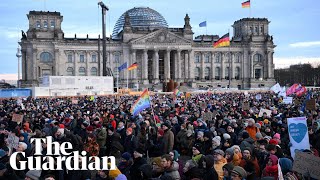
(219, 162)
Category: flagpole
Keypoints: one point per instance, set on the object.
(250, 10)
(229, 61)
(151, 105)
(127, 79)
(206, 27)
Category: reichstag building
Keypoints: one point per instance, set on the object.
(142, 35)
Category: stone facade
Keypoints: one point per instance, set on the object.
(161, 54)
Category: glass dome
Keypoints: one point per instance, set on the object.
(140, 17)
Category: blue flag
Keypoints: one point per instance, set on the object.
(303, 107)
(122, 67)
(203, 24)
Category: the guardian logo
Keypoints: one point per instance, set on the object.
(54, 161)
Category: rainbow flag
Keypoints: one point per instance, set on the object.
(176, 92)
(142, 103)
(223, 41)
(246, 4)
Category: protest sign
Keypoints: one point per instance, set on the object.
(74, 101)
(307, 164)
(207, 116)
(287, 100)
(246, 106)
(265, 111)
(298, 134)
(258, 97)
(13, 141)
(17, 118)
(311, 104)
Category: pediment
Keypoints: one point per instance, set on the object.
(161, 36)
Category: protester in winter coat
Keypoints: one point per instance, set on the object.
(130, 144)
(91, 146)
(227, 168)
(170, 167)
(191, 170)
(138, 161)
(219, 162)
(272, 168)
(157, 147)
(238, 173)
(232, 157)
(252, 129)
(250, 164)
(247, 141)
(168, 138)
(210, 173)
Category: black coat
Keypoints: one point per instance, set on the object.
(135, 173)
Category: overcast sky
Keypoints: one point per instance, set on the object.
(294, 23)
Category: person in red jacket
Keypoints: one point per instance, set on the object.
(271, 170)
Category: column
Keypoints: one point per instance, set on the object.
(212, 66)
(178, 78)
(23, 64)
(33, 65)
(191, 65)
(57, 61)
(222, 66)
(156, 66)
(232, 66)
(202, 66)
(145, 66)
(133, 57)
(186, 65)
(87, 63)
(251, 66)
(269, 55)
(245, 65)
(75, 73)
(167, 65)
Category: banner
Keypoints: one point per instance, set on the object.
(265, 111)
(298, 134)
(276, 88)
(17, 118)
(307, 164)
(287, 100)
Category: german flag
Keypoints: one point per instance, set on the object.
(223, 41)
(133, 66)
(246, 4)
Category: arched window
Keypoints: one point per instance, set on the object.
(207, 58)
(82, 71)
(94, 58)
(197, 59)
(261, 30)
(257, 58)
(46, 57)
(94, 71)
(81, 58)
(228, 58)
(237, 73)
(218, 58)
(227, 72)
(197, 73)
(38, 25)
(256, 30)
(238, 58)
(70, 71)
(52, 24)
(45, 24)
(251, 30)
(207, 73)
(217, 73)
(117, 58)
(70, 58)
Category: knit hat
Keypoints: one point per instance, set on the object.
(161, 132)
(239, 171)
(198, 147)
(200, 133)
(245, 135)
(248, 149)
(34, 174)
(226, 136)
(266, 121)
(228, 167)
(61, 126)
(166, 124)
(258, 125)
(229, 151)
(114, 173)
(129, 129)
(236, 147)
(157, 161)
(121, 177)
(218, 151)
(176, 155)
(126, 156)
(89, 128)
(259, 135)
(61, 131)
(273, 141)
(251, 120)
(276, 136)
(217, 140)
(2, 153)
(139, 150)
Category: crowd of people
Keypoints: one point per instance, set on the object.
(205, 136)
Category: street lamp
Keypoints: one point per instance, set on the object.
(18, 56)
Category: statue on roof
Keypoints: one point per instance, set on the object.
(23, 35)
